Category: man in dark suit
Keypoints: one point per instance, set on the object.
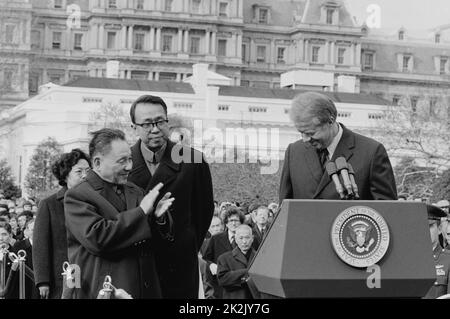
(304, 177)
(220, 244)
(184, 173)
(110, 222)
(261, 226)
(232, 266)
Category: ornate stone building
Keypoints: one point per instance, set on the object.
(252, 42)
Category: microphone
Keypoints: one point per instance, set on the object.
(332, 172)
(341, 166)
(351, 173)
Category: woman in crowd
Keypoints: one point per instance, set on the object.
(49, 239)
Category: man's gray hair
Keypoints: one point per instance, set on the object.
(310, 105)
(244, 227)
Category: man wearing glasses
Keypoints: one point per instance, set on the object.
(156, 160)
(323, 139)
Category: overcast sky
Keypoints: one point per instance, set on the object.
(412, 14)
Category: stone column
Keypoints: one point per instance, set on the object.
(213, 42)
(156, 76)
(307, 51)
(358, 54)
(130, 37)
(158, 39)
(186, 40)
(332, 53)
(178, 79)
(101, 32)
(207, 42)
(300, 50)
(180, 40)
(152, 38)
(239, 45)
(123, 36)
(47, 37)
(327, 52)
(352, 54)
(233, 44)
(273, 53)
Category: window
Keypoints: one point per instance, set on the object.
(111, 40)
(406, 60)
(168, 5)
(57, 4)
(195, 45)
(442, 66)
(437, 38)
(56, 41)
(112, 4)
(196, 6)
(167, 43)
(396, 100)
(140, 4)
(344, 114)
(7, 79)
(261, 53)
(330, 16)
(368, 61)
(401, 35)
(375, 116)
(55, 79)
(223, 107)
(35, 39)
(280, 55)
(139, 75)
(257, 109)
(244, 52)
(263, 15)
(77, 41)
(33, 83)
(315, 54)
(10, 32)
(341, 53)
(223, 9)
(222, 47)
(139, 41)
(245, 83)
(167, 76)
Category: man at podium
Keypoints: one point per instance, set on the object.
(324, 139)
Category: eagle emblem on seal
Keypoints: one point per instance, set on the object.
(359, 236)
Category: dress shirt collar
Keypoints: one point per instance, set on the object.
(149, 155)
(332, 147)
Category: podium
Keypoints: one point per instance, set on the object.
(323, 248)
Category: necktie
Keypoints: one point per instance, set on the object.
(323, 157)
(233, 242)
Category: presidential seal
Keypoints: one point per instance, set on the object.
(360, 236)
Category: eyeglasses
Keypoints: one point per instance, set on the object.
(151, 125)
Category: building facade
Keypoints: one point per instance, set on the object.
(252, 42)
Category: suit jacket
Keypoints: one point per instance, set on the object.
(189, 181)
(232, 274)
(50, 243)
(104, 240)
(217, 245)
(302, 176)
(258, 236)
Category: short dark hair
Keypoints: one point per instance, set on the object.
(102, 139)
(146, 99)
(7, 227)
(233, 210)
(27, 214)
(62, 167)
